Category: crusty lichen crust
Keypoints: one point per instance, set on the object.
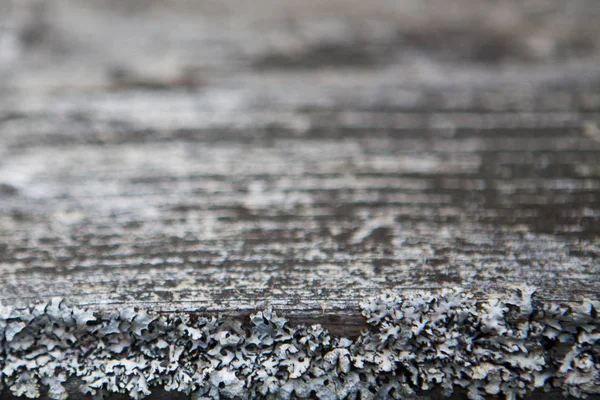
(510, 346)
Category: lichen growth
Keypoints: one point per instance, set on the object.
(509, 346)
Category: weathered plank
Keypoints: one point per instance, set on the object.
(304, 158)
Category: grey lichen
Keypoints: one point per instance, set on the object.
(507, 345)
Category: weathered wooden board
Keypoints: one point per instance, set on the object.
(187, 158)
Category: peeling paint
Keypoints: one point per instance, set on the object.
(509, 345)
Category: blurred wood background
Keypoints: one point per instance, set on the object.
(219, 157)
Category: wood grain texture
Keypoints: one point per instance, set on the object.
(222, 158)
(321, 162)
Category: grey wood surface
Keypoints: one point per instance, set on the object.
(221, 158)
(296, 156)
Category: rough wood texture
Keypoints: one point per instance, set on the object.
(192, 157)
